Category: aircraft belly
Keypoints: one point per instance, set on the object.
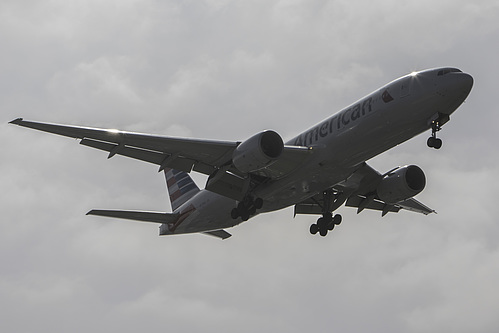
(301, 186)
(211, 212)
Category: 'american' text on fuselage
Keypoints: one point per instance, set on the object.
(335, 123)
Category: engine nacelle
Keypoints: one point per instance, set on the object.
(401, 184)
(258, 152)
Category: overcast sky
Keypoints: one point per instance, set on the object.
(226, 70)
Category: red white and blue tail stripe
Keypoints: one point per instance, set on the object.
(181, 187)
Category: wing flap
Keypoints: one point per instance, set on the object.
(155, 157)
(356, 201)
(415, 206)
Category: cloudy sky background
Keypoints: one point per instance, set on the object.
(226, 70)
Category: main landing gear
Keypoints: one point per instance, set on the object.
(325, 223)
(433, 141)
(246, 208)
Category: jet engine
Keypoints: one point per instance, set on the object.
(401, 184)
(258, 152)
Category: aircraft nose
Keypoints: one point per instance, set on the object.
(458, 84)
(464, 82)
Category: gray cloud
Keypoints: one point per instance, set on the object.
(225, 70)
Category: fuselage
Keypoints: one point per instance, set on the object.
(381, 120)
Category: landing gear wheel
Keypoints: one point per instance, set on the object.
(434, 142)
(314, 228)
(320, 223)
(258, 203)
(437, 144)
(246, 208)
(337, 219)
(323, 232)
(234, 213)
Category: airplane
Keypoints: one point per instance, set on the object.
(317, 171)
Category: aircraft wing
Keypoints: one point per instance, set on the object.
(360, 190)
(182, 154)
(177, 153)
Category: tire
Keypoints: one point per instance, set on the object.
(258, 203)
(234, 213)
(437, 144)
(320, 222)
(314, 229)
(431, 142)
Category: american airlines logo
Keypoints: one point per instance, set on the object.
(339, 121)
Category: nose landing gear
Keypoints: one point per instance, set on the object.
(433, 141)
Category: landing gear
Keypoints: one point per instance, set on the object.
(327, 222)
(246, 208)
(433, 141)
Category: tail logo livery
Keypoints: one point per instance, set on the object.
(181, 187)
(316, 172)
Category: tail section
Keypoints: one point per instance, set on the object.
(181, 187)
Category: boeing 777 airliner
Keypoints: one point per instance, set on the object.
(317, 171)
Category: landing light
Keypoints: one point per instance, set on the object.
(414, 74)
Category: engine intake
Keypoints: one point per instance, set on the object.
(401, 184)
(258, 152)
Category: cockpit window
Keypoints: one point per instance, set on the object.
(447, 71)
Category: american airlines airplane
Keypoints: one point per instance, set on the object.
(317, 171)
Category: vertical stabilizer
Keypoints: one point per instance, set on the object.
(181, 187)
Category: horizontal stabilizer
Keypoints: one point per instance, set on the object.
(136, 215)
(218, 233)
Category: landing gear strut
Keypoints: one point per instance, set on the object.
(246, 208)
(433, 141)
(327, 222)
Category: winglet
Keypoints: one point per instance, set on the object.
(17, 121)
